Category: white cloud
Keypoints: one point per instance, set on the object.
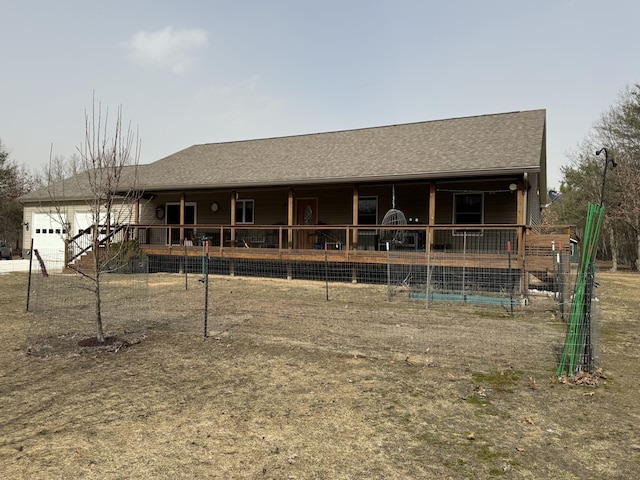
(166, 48)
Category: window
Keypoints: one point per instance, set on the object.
(468, 209)
(244, 211)
(367, 211)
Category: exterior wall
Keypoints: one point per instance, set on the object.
(335, 203)
(410, 198)
(500, 204)
(123, 213)
(534, 216)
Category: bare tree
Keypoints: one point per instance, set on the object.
(15, 180)
(105, 172)
(618, 130)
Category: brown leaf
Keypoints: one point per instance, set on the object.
(532, 383)
(471, 436)
(520, 449)
(529, 420)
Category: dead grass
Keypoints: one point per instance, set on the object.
(288, 385)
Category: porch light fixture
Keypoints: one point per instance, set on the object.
(513, 187)
(215, 207)
(159, 212)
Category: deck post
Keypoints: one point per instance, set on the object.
(290, 219)
(289, 230)
(232, 235)
(432, 208)
(182, 204)
(354, 221)
(522, 238)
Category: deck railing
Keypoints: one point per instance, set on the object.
(468, 253)
(436, 238)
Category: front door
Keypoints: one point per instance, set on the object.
(307, 214)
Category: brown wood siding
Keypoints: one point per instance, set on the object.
(334, 204)
(411, 199)
(500, 208)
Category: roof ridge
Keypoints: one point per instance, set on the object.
(348, 130)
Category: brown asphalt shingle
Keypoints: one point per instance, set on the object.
(509, 143)
(482, 145)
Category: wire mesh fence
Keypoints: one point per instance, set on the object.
(405, 303)
(63, 303)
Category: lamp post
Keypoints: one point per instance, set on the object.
(606, 164)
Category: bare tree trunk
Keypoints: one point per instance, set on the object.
(638, 251)
(99, 329)
(613, 242)
(97, 288)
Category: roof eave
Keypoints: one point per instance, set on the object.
(352, 179)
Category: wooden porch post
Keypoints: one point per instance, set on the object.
(520, 204)
(354, 221)
(290, 219)
(522, 232)
(232, 220)
(289, 230)
(432, 203)
(356, 197)
(232, 240)
(182, 202)
(432, 216)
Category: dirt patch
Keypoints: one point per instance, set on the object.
(288, 385)
(94, 342)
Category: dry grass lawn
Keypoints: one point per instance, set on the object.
(290, 386)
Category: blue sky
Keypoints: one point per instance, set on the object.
(209, 71)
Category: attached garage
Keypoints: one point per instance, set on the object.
(48, 231)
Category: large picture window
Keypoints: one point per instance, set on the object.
(468, 209)
(244, 211)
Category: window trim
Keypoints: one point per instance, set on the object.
(243, 202)
(186, 204)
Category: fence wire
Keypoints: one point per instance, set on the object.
(63, 303)
(444, 314)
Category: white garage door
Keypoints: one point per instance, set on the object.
(48, 232)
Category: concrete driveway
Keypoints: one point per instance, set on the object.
(7, 266)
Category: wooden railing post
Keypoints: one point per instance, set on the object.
(522, 238)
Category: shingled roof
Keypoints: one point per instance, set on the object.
(485, 145)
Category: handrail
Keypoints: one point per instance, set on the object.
(102, 241)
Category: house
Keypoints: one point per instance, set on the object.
(476, 183)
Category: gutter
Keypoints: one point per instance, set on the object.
(358, 179)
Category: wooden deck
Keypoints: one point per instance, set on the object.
(500, 261)
(487, 247)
